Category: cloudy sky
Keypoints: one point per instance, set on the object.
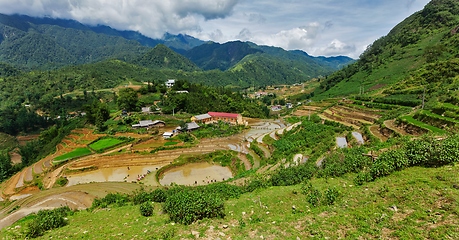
(319, 27)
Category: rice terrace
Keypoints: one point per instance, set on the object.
(108, 134)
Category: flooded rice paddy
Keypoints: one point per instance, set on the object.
(116, 174)
(196, 174)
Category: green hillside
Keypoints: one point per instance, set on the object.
(162, 57)
(419, 53)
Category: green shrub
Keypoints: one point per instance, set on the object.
(146, 209)
(331, 194)
(255, 183)
(47, 220)
(158, 195)
(293, 175)
(314, 196)
(111, 198)
(362, 178)
(188, 206)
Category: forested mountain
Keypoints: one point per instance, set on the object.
(227, 55)
(220, 56)
(162, 57)
(421, 54)
(46, 43)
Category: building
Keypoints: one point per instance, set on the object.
(203, 118)
(170, 83)
(189, 127)
(149, 123)
(168, 135)
(212, 117)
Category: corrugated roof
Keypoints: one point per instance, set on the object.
(192, 126)
(202, 116)
(222, 114)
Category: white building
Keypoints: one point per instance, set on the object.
(170, 83)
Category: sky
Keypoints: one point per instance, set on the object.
(318, 27)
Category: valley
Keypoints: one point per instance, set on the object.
(177, 138)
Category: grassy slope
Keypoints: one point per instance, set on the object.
(414, 203)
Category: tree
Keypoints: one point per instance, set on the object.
(102, 116)
(5, 166)
(128, 99)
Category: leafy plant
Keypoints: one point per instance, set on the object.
(146, 209)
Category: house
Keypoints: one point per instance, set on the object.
(203, 118)
(170, 83)
(146, 110)
(149, 123)
(168, 135)
(189, 127)
(276, 108)
(212, 117)
(233, 118)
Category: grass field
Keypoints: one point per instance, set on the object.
(389, 208)
(170, 143)
(105, 143)
(79, 152)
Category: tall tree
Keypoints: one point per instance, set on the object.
(128, 99)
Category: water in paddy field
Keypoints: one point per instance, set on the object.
(196, 174)
(117, 174)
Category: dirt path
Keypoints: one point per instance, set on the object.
(374, 129)
(391, 125)
(28, 177)
(245, 160)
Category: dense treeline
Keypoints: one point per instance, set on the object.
(202, 99)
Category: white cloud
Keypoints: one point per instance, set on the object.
(151, 17)
(319, 27)
(336, 47)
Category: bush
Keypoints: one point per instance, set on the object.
(293, 175)
(47, 220)
(158, 195)
(111, 198)
(362, 178)
(314, 197)
(146, 209)
(188, 206)
(331, 194)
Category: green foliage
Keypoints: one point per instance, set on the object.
(293, 175)
(128, 99)
(78, 152)
(362, 177)
(117, 199)
(62, 181)
(105, 143)
(220, 129)
(47, 220)
(162, 57)
(5, 166)
(146, 209)
(348, 160)
(314, 197)
(331, 195)
(309, 136)
(186, 207)
(427, 152)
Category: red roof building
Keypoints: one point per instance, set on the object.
(210, 117)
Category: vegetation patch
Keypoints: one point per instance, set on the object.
(78, 152)
(105, 143)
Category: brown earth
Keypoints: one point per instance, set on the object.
(376, 131)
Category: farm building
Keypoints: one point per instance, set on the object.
(149, 123)
(168, 135)
(211, 117)
(189, 127)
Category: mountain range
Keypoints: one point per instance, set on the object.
(30, 43)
